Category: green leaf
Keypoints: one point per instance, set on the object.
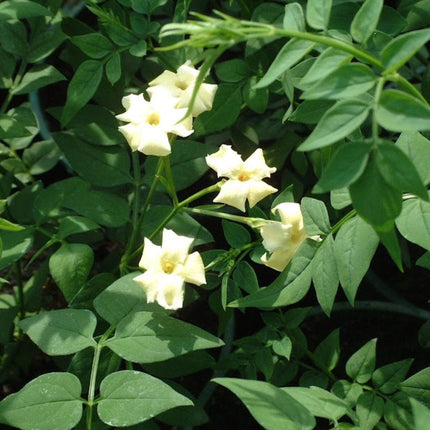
(388, 378)
(255, 98)
(328, 351)
(414, 222)
(61, 332)
(100, 165)
(345, 82)
(375, 200)
(236, 235)
(120, 299)
(41, 156)
(11, 128)
(319, 402)
(44, 41)
(40, 75)
(233, 71)
(361, 364)
(81, 88)
(22, 9)
(292, 52)
(398, 170)
(10, 226)
(340, 198)
(420, 413)
(245, 278)
(75, 224)
(417, 148)
(14, 37)
(315, 216)
(70, 266)
(366, 20)
(225, 110)
(370, 408)
(95, 45)
(147, 337)
(338, 122)
(318, 13)
(403, 48)
(283, 347)
(290, 286)
(399, 111)
(327, 62)
(325, 275)
(294, 18)
(397, 412)
(389, 239)
(311, 111)
(345, 166)
(49, 402)
(354, 247)
(113, 68)
(15, 245)
(129, 397)
(272, 407)
(418, 386)
(350, 392)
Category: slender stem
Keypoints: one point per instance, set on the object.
(92, 386)
(223, 215)
(375, 305)
(93, 377)
(137, 221)
(169, 177)
(20, 288)
(378, 91)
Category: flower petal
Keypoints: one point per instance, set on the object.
(255, 165)
(136, 108)
(258, 190)
(153, 141)
(275, 235)
(279, 259)
(151, 256)
(233, 193)
(193, 270)
(174, 247)
(226, 162)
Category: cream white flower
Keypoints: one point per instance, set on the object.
(168, 267)
(178, 87)
(149, 124)
(244, 177)
(283, 238)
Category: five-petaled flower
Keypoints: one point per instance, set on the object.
(244, 177)
(168, 267)
(178, 88)
(150, 122)
(283, 238)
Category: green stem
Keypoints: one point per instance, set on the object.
(223, 215)
(93, 377)
(169, 177)
(375, 305)
(20, 288)
(92, 386)
(375, 127)
(181, 205)
(137, 221)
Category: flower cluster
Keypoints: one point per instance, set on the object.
(245, 178)
(168, 267)
(151, 122)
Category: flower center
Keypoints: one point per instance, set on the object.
(168, 267)
(243, 176)
(181, 85)
(153, 118)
